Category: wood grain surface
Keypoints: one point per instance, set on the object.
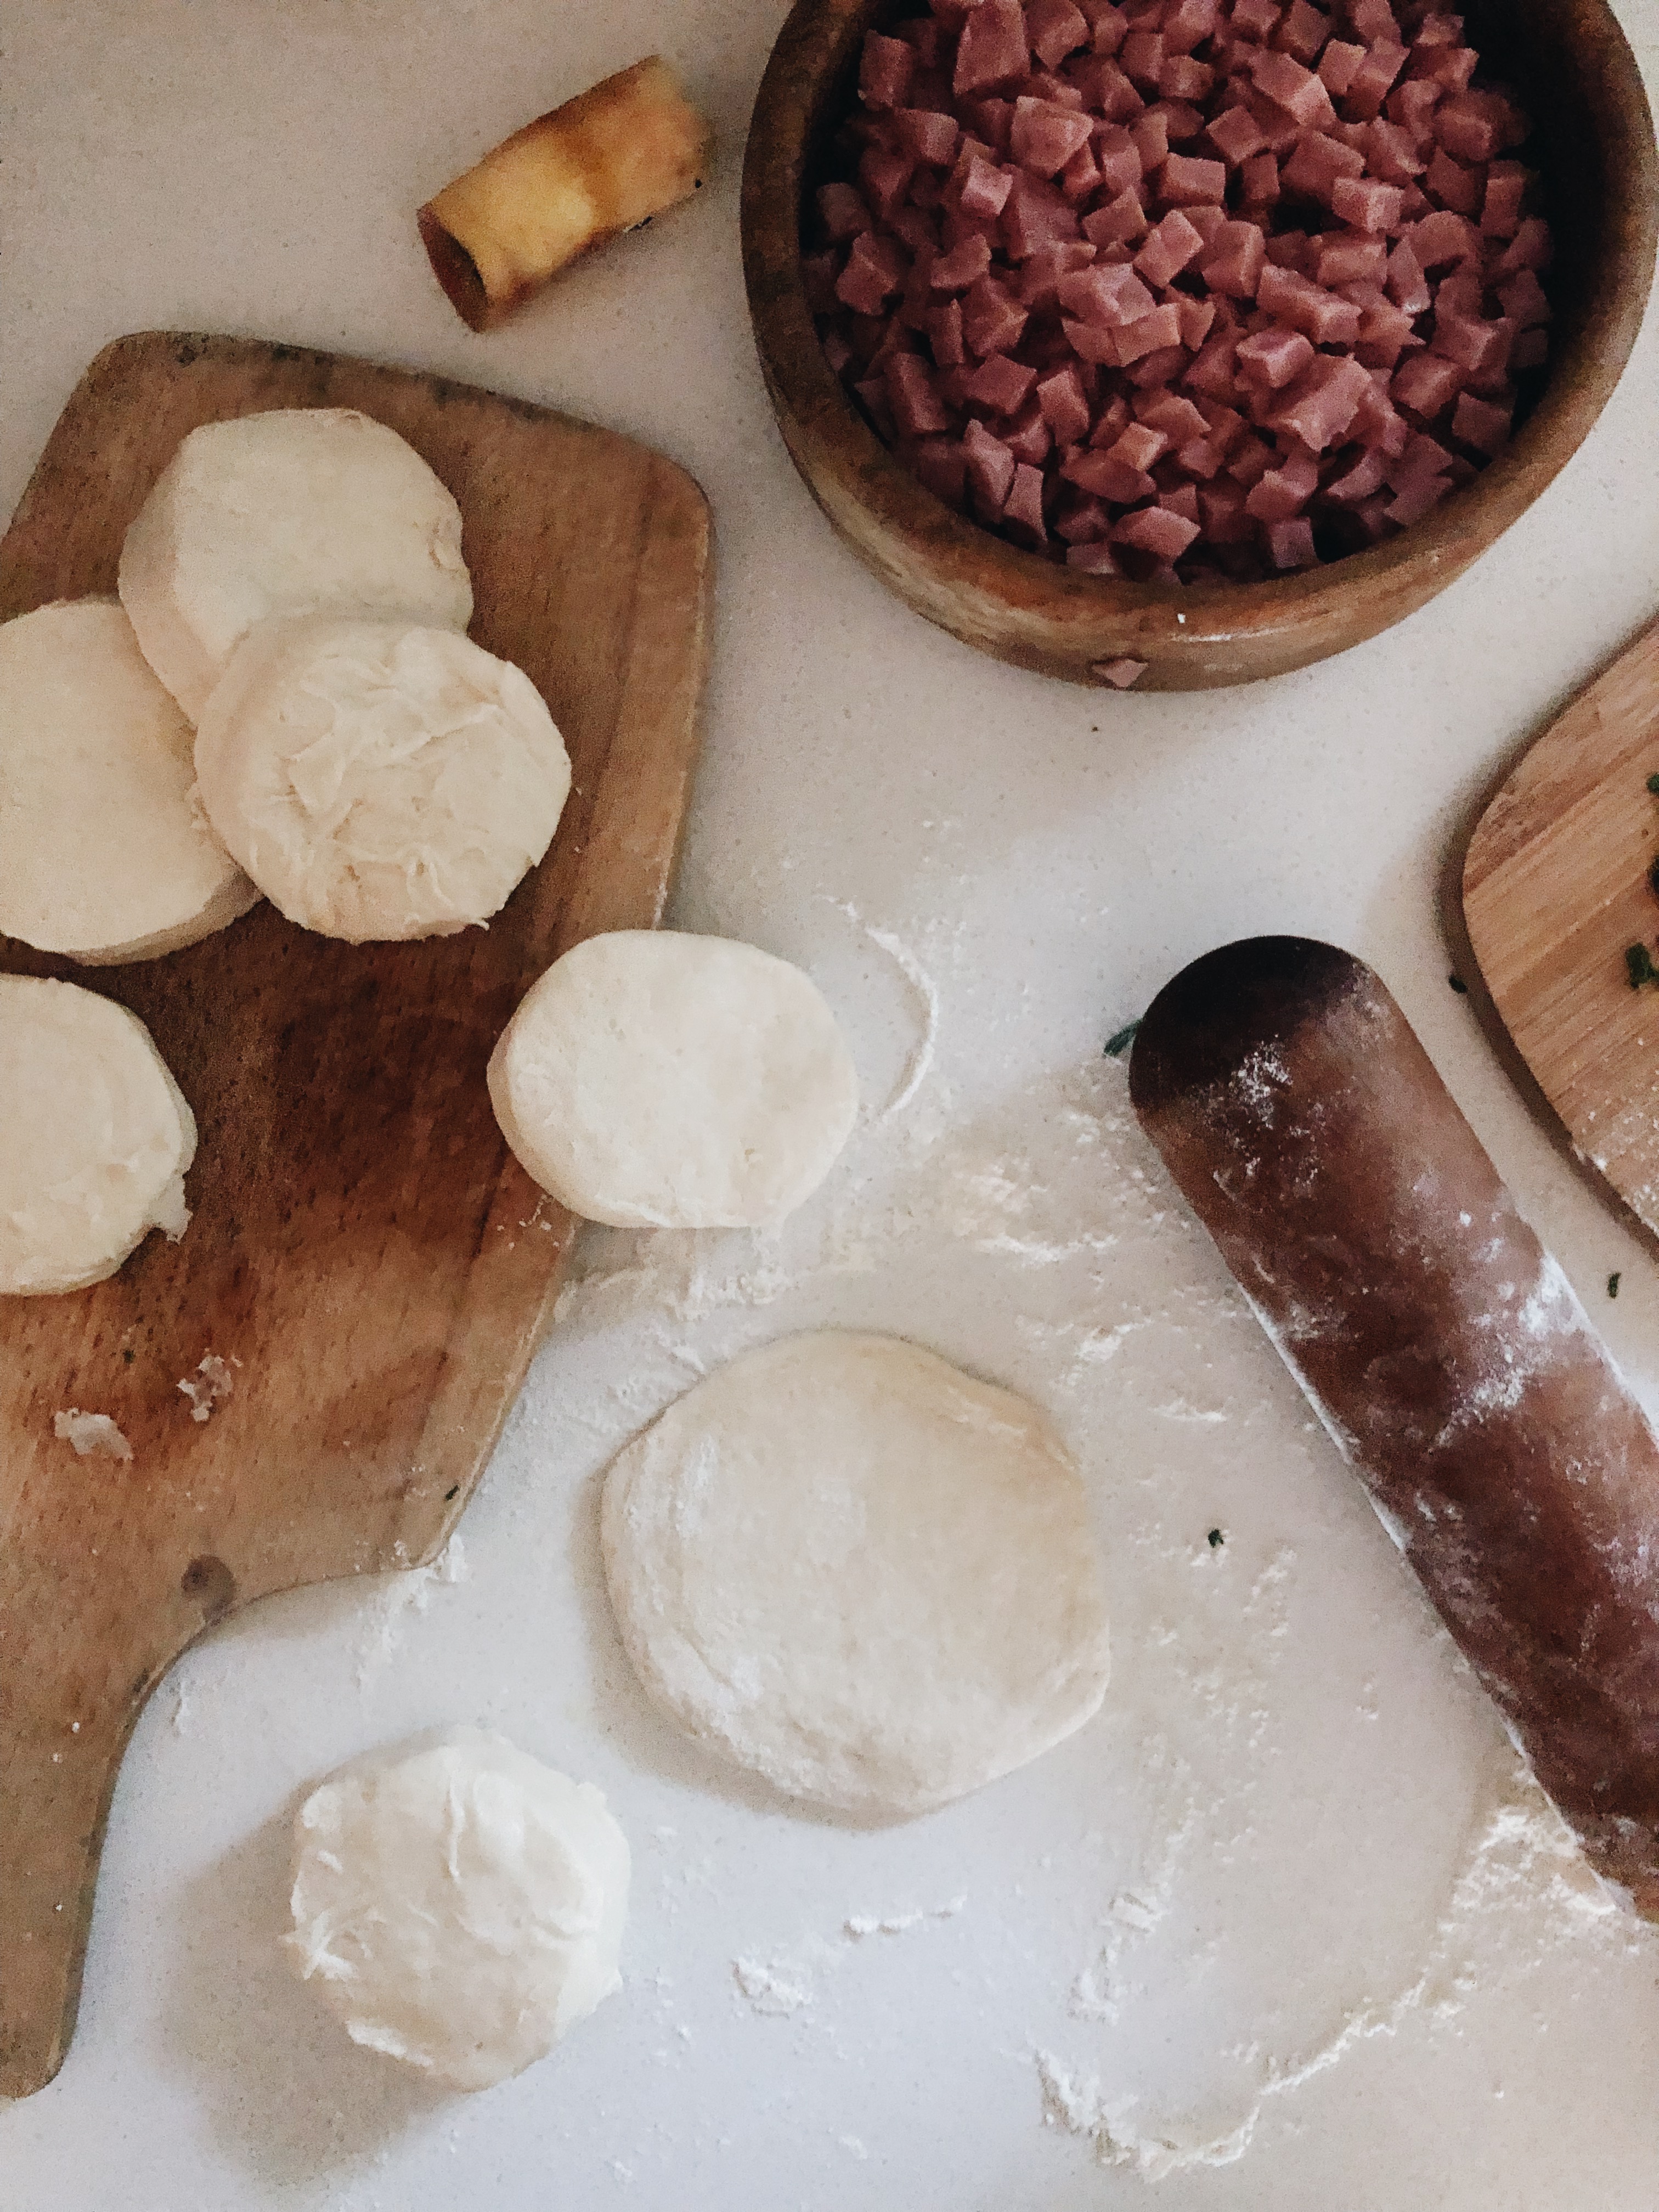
(1555, 887)
(363, 1244)
(1594, 145)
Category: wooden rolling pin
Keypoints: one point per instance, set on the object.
(1441, 1345)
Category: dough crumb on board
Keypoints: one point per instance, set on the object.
(93, 1435)
(768, 1988)
(217, 1382)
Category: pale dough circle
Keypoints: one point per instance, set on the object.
(378, 780)
(96, 1137)
(653, 1080)
(105, 854)
(849, 1567)
(458, 1905)
(299, 511)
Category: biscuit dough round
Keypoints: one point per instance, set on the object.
(380, 780)
(105, 853)
(458, 1905)
(654, 1079)
(846, 1566)
(299, 511)
(96, 1137)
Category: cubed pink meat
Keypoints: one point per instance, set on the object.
(1107, 477)
(1523, 301)
(1480, 424)
(1385, 333)
(944, 335)
(1235, 134)
(1338, 64)
(1427, 383)
(1321, 403)
(1055, 29)
(885, 69)
(1037, 215)
(963, 265)
(1272, 358)
(1360, 481)
(838, 353)
(1347, 257)
(1531, 350)
(1466, 126)
(1195, 317)
(985, 189)
(1177, 418)
(1303, 31)
(1170, 247)
(1182, 501)
(1081, 521)
(1325, 317)
(1371, 84)
(1141, 57)
(1461, 189)
(1064, 409)
(1184, 80)
(1099, 560)
(1391, 154)
(1222, 506)
(1291, 544)
(1080, 179)
(876, 269)
(1118, 158)
(1023, 504)
(1255, 19)
(1108, 91)
(1150, 135)
(1259, 178)
(1318, 164)
(1373, 20)
(1118, 224)
(993, 48)
(1199, 458)
(1152, 334)
(873, 391)
(1214, 373)
(1529, 249)
(1108, 293)
(991, 120)
(1233, 260)
(1187, 23)
(1443, 237)
(1045, 136)
(1139, 447)
(938, 462)
(843, 213)
(991, 321)
(1281, 493)
(1506, 191)
(1186, 178)
(990, 466)
(1290, 86)
(911, 394)
(1416, 500)
(1407, 287)
(1156, 531)
(1365, 204)
(1478, 346)
(927, 136)
(885, 179)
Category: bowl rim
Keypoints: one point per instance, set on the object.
(861, 473)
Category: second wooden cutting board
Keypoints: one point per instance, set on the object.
(363, 1245)
(1555, 893)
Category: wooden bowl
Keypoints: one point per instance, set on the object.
(1594, 143)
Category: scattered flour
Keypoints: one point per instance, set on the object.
(769, 1989)
(402, 1594)
(217, 1382)
(93, 1435)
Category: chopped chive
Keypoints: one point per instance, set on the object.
(450, 1493)
(1639, 966)
(1216, 1539)
(1459, 986)
(1613, 1284)
(1653, 785)
(1116, 1045)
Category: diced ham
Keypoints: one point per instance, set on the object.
(876, 269)
(843, 213)
(1099, 560)
(1056, 29)
(1480, 424)
(1407, 287)
(1338, 65)
(927, 136)
(1235, 134)
(1187, 23)
(1156, 529)
(1107, 293)
(1280, 494)
(1079, 180)
(915, 404)
(1347, 258)
(1360, 481)
(963, 265)
(990, 466)
(1481, 347)
(1365, 204)
(1284, 81)
(1082, 521)
(1391, 154)
(985, 189)
(944, 336)
(1529, 249)
(1023, 504)
(1323, 402)
(991, 321)
(1255, 19)
(1065, 408)
(999, 384)
(1272, 358)
(1186, 178)
(1417, 499)
(1152, 334)
(1427, 383)
(1194, 316)
(1118, 224)
(1369, 84)
(1303, 31)
(1443, 237)
(1325, 317)
(1319, 164)
(1141, 58)
(1505, 194)
(1107, 477)
(1291, 544)
(1149, 134)
(885, 69)
(993, 48)
(1045, 136)
(1461, 189)
(938, 462)
(1036, 214)
(1168, 250)
(1523, 301)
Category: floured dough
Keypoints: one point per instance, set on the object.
(303, 510)
(104, 853)
(458, 1905)
(96, 1139)
(844, 1563)
(652, 1079)
(377, 781)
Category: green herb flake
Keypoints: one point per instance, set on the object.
(1613, 1284)
(1653, 878)
(1459, 986)
(1117, 1045)
(1639, 966)
(450, 1492)
(1216, 1539)
(129, 1355)
(1653, 785)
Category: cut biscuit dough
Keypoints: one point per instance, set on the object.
(105, 853)
(97, 1138)
(844, 1565)
(660, 1080)
(380, 780)
(298, 511)
(458, 1906)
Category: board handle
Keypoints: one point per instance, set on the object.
(63, 1729)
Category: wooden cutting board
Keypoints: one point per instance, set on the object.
(1555, 890)
(363, 1243)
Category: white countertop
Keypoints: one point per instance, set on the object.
(1282, 1924)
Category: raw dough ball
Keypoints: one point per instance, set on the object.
(459, 1904)
(96, 1137)
(654, 1080)
(303, 510)
(378, 780)
(104, 853)
(847, 1566)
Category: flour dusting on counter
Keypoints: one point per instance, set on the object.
(93, 1435)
